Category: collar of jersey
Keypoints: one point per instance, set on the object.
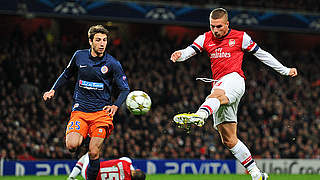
(97, 58)
(224, 35)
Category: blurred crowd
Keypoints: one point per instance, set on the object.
(278, 117)
(308, 6)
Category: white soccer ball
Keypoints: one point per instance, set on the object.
(138, 102)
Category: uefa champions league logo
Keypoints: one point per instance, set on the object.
(244, 19)
(160, 14)
(315, 24)
(70, 8)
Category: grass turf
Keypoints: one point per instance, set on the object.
(183, 177)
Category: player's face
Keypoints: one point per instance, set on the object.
(219, 27)
(98, 44)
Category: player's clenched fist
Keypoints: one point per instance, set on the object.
(175, 56)
(48, 94)
(293, 72)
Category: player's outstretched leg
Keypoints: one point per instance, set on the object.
(210, 106)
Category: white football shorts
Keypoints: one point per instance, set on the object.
(234, 86)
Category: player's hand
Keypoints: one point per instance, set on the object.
(293, 72)
(175, 56)
(48, 94)
(111, 109)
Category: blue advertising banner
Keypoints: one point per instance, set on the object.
(186, 166)
(21, 168)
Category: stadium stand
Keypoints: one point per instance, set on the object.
(309, 6)
(278, 118)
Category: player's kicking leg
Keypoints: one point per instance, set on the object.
(210, 106)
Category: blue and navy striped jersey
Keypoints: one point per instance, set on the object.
(95, 76)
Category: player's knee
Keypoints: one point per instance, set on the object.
(94, 153)
(229, 142)
(72, 147)
(222, 98)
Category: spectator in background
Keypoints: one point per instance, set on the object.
(3, 155)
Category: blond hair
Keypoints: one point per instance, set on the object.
(218, 13)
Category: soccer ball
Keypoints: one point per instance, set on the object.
(138, 102)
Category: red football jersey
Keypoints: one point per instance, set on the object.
(114, 170)
(226, 53)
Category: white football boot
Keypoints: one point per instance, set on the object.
(261, 176)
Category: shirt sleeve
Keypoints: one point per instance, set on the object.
(129, 161)
(68, 72)
(195, 48)
(197, 44)
(122, 83)
(249, 45)
(269, 60)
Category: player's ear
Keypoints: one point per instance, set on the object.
(90, 42)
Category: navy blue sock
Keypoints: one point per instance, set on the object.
(93, 169)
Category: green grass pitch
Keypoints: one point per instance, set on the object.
(182, 177)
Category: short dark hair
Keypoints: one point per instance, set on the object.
(218, 13)
(97, 29)
(138, 175)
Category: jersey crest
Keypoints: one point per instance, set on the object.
(104, 69)
(232, 42)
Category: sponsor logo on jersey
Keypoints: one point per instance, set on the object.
(124, 78)
(104, 69)
(83, 66)
(232, 42)
(91, 85)
(220, 54)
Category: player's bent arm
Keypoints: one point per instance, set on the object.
(269, 60)
(185, 54)
(68, 72)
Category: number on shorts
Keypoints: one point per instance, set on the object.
(77, 124)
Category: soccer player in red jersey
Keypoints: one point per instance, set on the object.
(121, 169)
(225, 47)
(93, 111)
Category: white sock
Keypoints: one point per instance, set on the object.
(210, 106)
(76, 170)
(242, 153)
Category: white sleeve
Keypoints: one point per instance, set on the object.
(186, 53)
(196, 47)
(128, 160)
(198, 43)
(269, 60)
(247, 43)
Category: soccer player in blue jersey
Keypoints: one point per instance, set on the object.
(92, 112)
